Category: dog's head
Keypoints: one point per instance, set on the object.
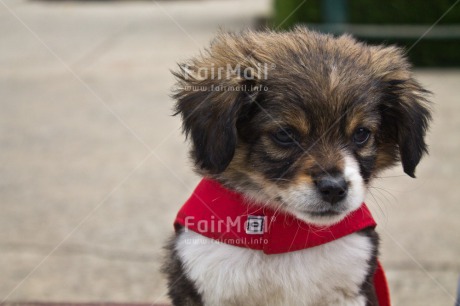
(301, 120)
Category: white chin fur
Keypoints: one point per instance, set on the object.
(320, 220)
(357, 189)
(299, 199)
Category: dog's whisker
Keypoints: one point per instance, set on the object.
(381, 210)
(382, 191)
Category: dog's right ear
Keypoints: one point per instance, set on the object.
(405, 107)
(211, 94)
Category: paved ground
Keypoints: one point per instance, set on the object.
(93, 167)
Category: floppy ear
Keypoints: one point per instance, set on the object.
(405, 111)
(211, 93)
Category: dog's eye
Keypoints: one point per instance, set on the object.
(361, 136)
(285, 137)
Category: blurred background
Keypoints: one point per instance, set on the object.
(93, 167)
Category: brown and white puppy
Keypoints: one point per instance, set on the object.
(304, 125)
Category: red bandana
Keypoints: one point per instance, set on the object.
(221, 214)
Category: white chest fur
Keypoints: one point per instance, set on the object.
(225, 275)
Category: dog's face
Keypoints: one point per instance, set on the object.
(301, 121)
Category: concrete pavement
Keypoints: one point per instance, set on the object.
(84, 204)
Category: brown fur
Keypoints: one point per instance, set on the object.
(321, 87)
(318, 90)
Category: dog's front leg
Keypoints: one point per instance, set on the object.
(181, 289)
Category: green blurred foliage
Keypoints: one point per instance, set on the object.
(402, 12)
(291, 12)
(369, 12)
(427, 52)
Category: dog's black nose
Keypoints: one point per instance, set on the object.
(332, 189)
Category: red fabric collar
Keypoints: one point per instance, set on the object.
(224, 215)
(221, 214)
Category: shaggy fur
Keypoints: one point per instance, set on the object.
(294, 113)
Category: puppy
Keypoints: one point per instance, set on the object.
(294, 124)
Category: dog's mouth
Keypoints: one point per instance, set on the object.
(327, 210)
(324, 213)
(325, 216)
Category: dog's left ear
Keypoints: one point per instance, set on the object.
(212, 93)
(209, 118)
(404, 108)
